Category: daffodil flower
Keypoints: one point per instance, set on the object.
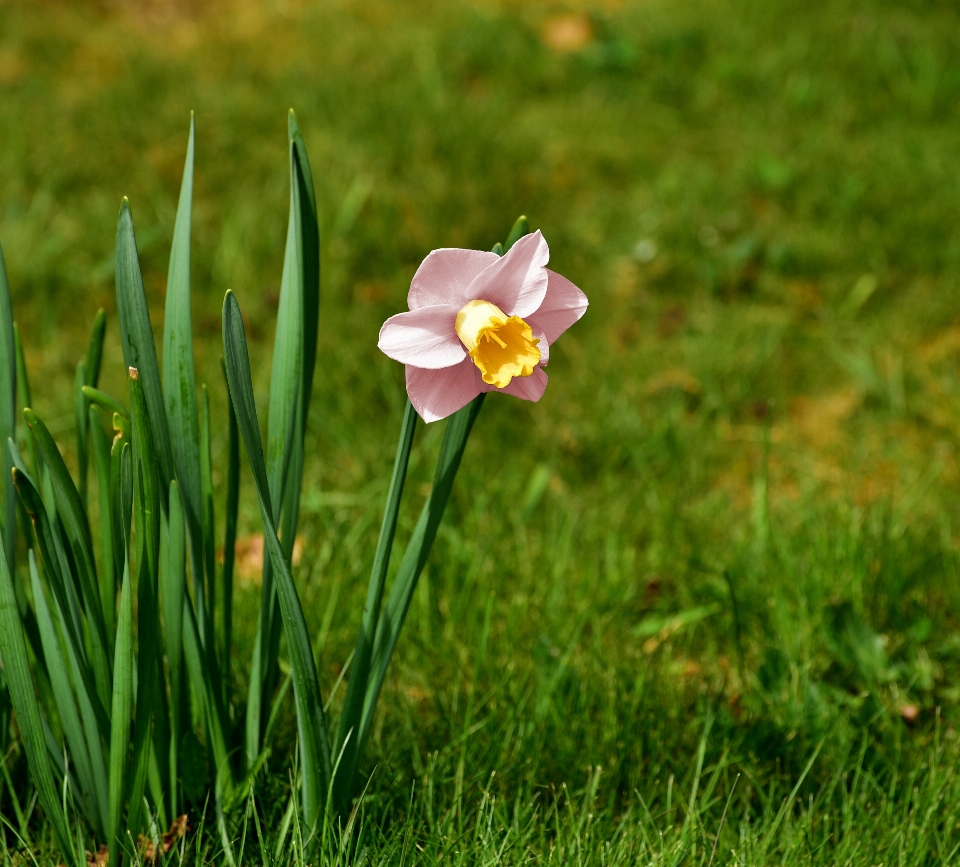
(480, 322)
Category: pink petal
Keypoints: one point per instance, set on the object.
(516, 282)
(563, 305)
(443, 277)
(426, 337)
(543, 346)
(435, 394)
(525, 387)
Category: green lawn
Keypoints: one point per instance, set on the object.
(700, 604)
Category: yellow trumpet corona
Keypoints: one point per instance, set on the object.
(501, 346)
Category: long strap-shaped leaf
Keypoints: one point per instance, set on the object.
(291, 382)
(8, 415)
(345, 745)
(108, 572)
(146, 496)
(310, 251)
(284, 447)
(121, 711)
(13, 649)
(136, 333)
(57, 669)
(72, 514)
(179, 379)
(314, 747)
(88, 374)
(57, 569)
(23, 389)
(172, 594)
(415, 557)
(229, 547)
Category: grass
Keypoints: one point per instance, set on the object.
(700, 604)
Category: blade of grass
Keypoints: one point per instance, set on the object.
(345, 744)
(311, 724)
(13, 650)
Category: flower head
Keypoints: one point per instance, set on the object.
(480, 322)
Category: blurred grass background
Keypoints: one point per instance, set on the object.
(728, 533)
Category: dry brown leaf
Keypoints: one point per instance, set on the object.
(178, 828)
(98, 858)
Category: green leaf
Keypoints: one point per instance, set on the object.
(310, 251)
(92, 726)
(108, 559)
(105, 401)
(172, 593)
(520, 228)
(287, 354)
(295, 348)
(345, 745)
(146, 496)
(309, 231)
(415, 557)
(56, 667)
(23, 392)
(136, 333)
(180, 389)
(121, 710)
(206, 504)
(95, 347)
(314, 747)
(58, 572)
(121, 496)
(229, 545)
(13, 650)
(214, 715)
(88, 374)
(80, 408)
(8, 416)
(73, 516)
